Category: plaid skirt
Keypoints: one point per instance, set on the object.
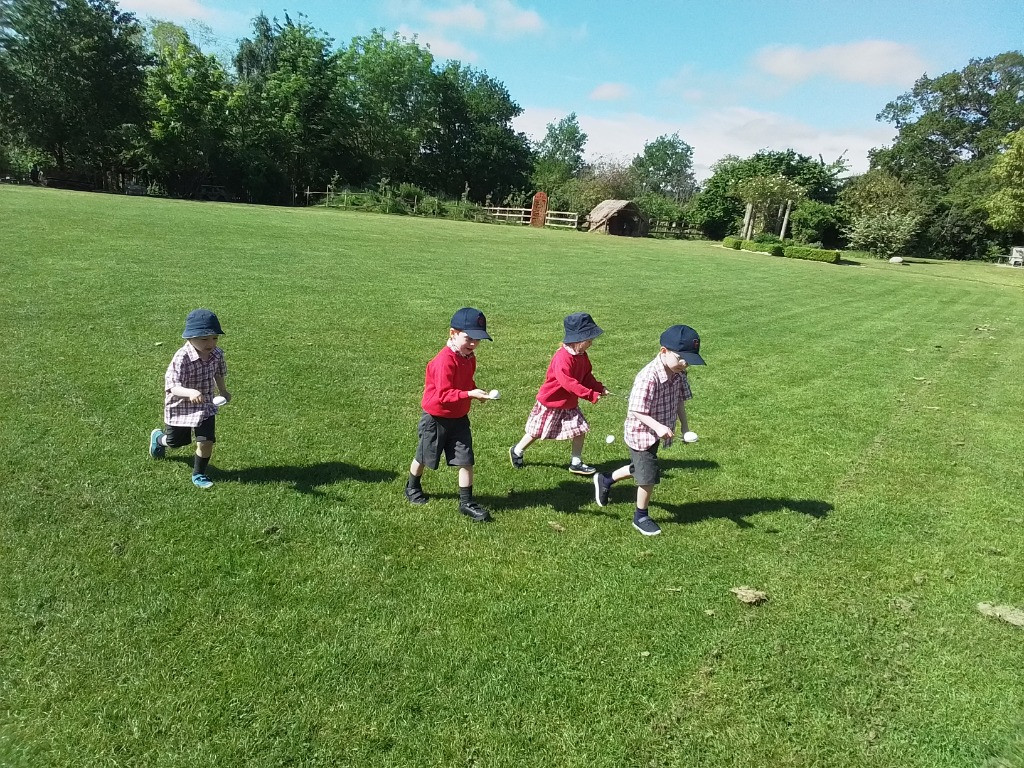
(556, 423)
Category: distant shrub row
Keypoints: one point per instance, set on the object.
(790, 251)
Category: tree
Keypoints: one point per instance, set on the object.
(665, 167)
(950, 129)
(883, 212)
(717, 211)
(817, 222)
(559, 153)
(72, 73)
(1005, 206)
(287, 111)
(187, 96)
(764, 193)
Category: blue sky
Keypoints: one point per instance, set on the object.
(731, 77)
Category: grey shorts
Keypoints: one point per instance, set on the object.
(643, 465)
(449, 436)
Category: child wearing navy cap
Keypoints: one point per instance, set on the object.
(556, 415)
(188, 394)
(448, 388)
(658, 398)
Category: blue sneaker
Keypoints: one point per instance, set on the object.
(156, 450)
(646, 526)
(202, 481)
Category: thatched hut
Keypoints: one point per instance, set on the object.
(618, 217)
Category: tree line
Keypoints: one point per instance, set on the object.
(87, 89)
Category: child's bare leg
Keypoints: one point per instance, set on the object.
(643, 496)
(621, 473)
(577, 447)
(466, 478)
(467, 505)
(416, 469)
(204, 449)
(523, 444)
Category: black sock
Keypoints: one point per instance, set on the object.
(414, 481)
(200, 464)
(639, 513)
(465, 494)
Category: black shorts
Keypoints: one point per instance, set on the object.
(206, 432)
(643, 465)
(449, 436)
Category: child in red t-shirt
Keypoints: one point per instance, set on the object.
(444, 427)
(556, 414)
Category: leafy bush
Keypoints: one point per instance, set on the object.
(773, 249)
(816, 221)
(811, 254)
(766, 237)
(410, 193)
(431, 206)
(732, 242)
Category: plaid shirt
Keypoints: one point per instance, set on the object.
(657, 393)
(189, 371)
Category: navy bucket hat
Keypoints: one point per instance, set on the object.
(472, 321)
(580, 327)
(685, 342)
(201, 322)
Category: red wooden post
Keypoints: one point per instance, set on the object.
(539, 213)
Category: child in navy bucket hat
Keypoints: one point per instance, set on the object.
(556, 415)
(189, 384)
(449, 387)
(657, 400)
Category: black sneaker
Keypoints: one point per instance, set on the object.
(646, 526)
(602, 485)
(582, 469)
(516, 458)
(416, 495)
(474, 512)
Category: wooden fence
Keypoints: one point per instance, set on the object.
(677, 229)
(560, 219)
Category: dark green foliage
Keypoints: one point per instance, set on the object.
(717, 209)
(71, 78)
(951, 128)
(732, 242)
(811, 254)
(814, 221)
(766, 237)
(774, 249)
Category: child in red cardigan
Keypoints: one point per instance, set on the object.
(556, 414)
(448, 387)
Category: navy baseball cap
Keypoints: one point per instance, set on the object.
(472, 321)
(580, 327)
(201, 322)
(685, 342)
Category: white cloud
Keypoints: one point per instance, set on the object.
(610, 92)
(509, 19)
(439, 44)
(466, 16)
(713, 134)
(874, 62)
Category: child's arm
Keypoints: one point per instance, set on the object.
(659, 429)
(684, 425)
(221, 386)
(443, 377)
(172, 382)
(565, 379)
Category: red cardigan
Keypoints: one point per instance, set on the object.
(447, 383)
(568, 379)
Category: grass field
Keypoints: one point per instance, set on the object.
(860, 461)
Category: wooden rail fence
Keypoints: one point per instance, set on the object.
(560, 219)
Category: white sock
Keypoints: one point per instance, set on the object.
(576, 460)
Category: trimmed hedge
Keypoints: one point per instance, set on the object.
(769, 248)
(812, 254)
(732, 242)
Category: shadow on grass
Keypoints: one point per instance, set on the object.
(573, 495)
(738, 510)
(306, 479)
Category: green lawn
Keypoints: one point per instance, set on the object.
(860, 461)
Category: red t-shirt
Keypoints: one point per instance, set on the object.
(447, 383)
(569, 378)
